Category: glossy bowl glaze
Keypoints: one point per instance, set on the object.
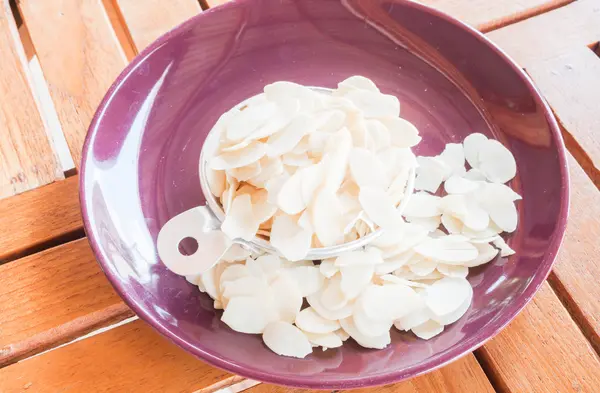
(140, 162)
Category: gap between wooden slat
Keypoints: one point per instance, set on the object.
(40, 89)
(575, 312)
(65, 334)
(521, 16)
(118, 24)
(47, 216)
(579, 153)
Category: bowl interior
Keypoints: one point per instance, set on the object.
(140, 164)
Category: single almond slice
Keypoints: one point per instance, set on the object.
(378, 342)
(287, 298)
(447, 295)
(504, 248)
(373, 104)
(310, 321)
(287, 340)
(238, 158)
(454, 156)
(428, 330)
(248, 314)
(452, 249)
(472, 145)
(239, 222)
(497, 162)
(324, 340)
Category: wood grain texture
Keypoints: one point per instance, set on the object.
(456, 377)
(571, 84)
(488, 15)
(27, 158)
(80, 56)
(148, 19)
(35, 218)
(542, 350)
(554, 48)
(41, 293)
(128, 358)
(551, 34)
(575, 275)
(484, 15)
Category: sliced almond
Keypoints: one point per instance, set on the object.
(378, 136)
(285, 140)
(378, 342)
(431, 173)
(289, 238)
(310, 321)
(357, 83)
(287, 340)
(287, 298)
(454, 156)
(380, 208)
(486, 254)
(248, 314)
(216, 181)
(389, 302)
(240, 222)
(450, 249)
(354, 279)
(373, 104)
(447, 295)
(367, 170)
(413, 319)
(308, 278)
(428, 330)
(245, 122)
(327, 217)
(402, 132)
(328, 268)
(460, 185)
(472, 145)
(497, 162)
(368, 257)
(453, 270)
(422, 204)
(324, 340)
(505, 249)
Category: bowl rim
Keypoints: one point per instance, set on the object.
(470, 344)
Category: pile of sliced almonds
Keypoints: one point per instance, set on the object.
(307, 168)
(412, 277)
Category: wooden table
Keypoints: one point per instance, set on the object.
(63, 328)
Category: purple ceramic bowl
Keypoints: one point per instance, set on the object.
(140, 162)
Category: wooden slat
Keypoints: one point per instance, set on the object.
(575, 275)
(80, 56)
(554, 49)
(542, 350)
(52, 297)
(128, 358)
(38, 217)
(489, 15)
(148, 19)
(571, 85)
(551, 34)
(483, 14)
(27, 159)
(461, 376)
